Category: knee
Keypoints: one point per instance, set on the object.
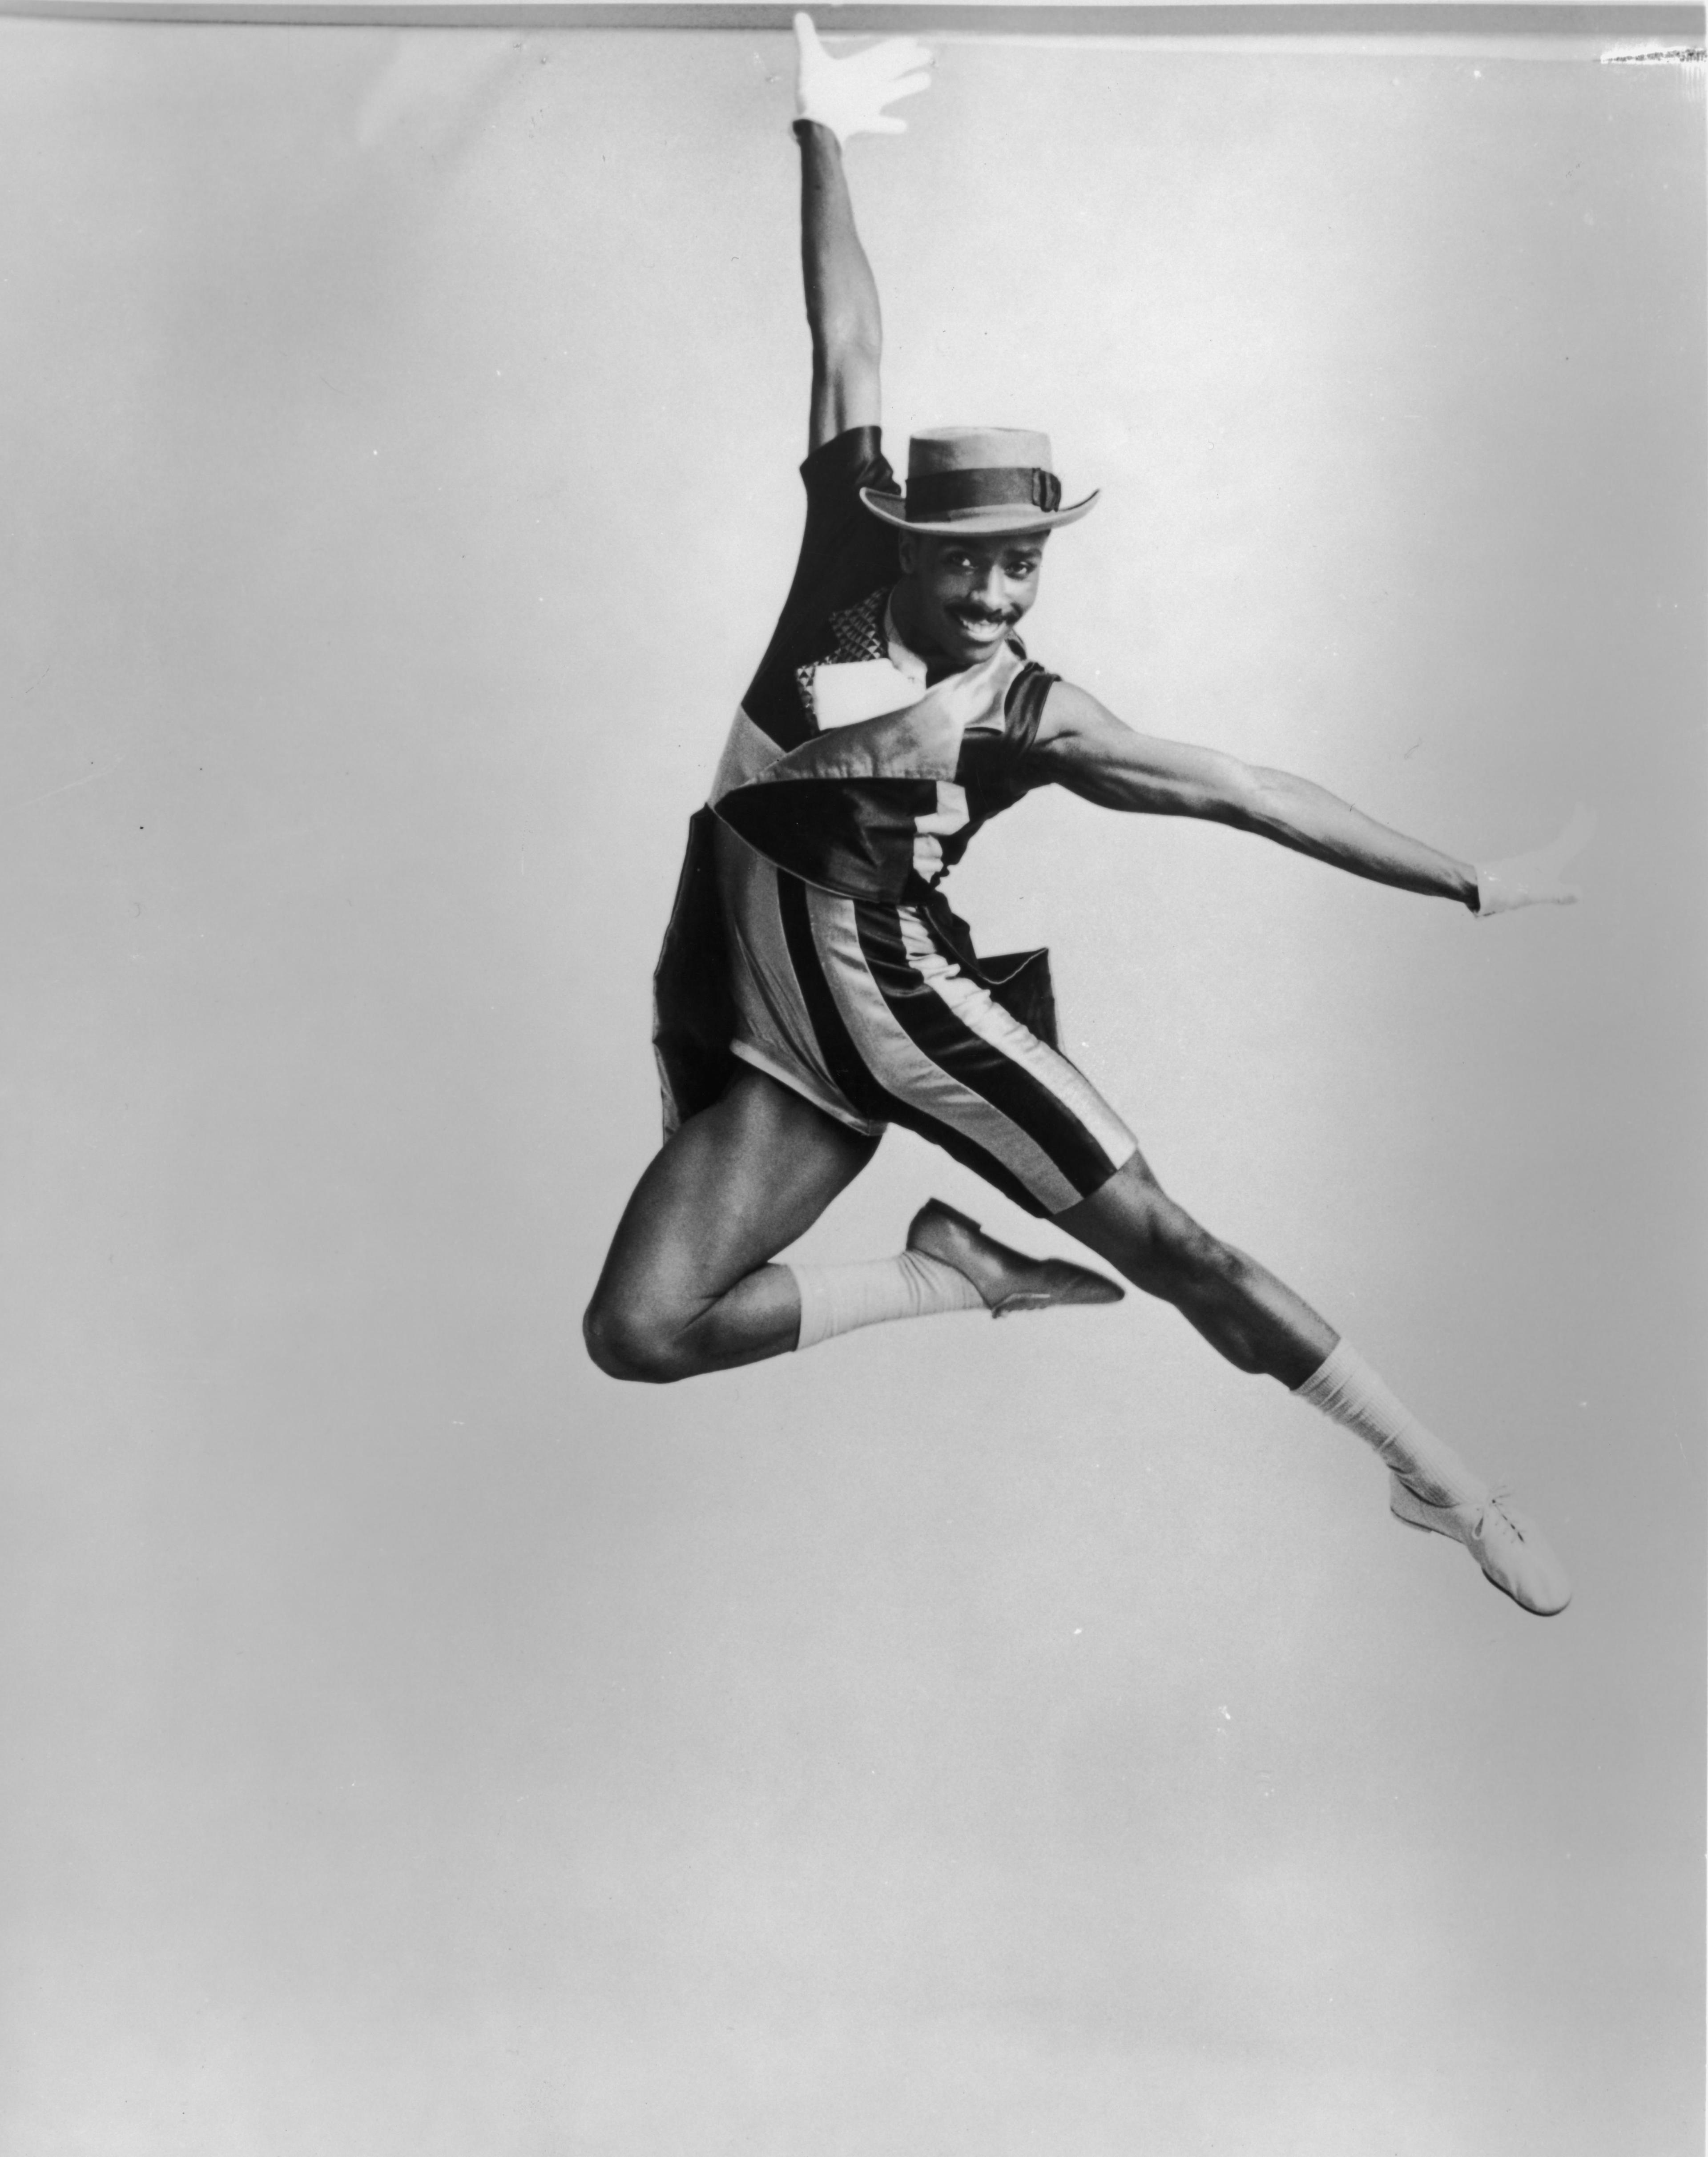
(631, 1344)
(1175, 1255)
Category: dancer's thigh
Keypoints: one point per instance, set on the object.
(735, 1185)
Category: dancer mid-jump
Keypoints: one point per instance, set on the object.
(814, 985)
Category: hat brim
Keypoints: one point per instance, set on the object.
(975, 524)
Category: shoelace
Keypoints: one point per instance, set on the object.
(1495, 1505)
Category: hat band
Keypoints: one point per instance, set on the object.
(951, 494)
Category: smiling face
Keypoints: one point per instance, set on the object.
(959, 598)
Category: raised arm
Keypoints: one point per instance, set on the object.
(837, 99)
(1085, 747)
(842, 294)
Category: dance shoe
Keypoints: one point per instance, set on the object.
(1008, 1280)
(1510, 1549)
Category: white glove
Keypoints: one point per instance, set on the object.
(1535, 879)
(848, 96)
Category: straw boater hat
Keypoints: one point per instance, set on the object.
(968, 482)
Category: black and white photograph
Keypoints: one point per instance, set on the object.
(697, 696)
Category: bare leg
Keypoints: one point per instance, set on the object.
(686, 1286)
(1260, 1325)
(1239, 1307)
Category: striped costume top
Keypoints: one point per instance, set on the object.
(844, 771)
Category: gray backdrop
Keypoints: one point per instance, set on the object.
(1021, 1739)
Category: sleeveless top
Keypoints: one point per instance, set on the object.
(843, 768)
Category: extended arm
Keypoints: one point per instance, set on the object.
(837, 99)
(842, 294)
(1088, 751)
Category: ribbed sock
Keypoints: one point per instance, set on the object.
(839, 1299)
(1348, 1393)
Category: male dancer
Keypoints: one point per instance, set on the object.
(814, 985)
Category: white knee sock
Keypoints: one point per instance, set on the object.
(1348, 1391)
(837, 1299)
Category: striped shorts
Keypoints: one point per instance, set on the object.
(856, 1006)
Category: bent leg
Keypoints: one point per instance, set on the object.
(686, 1286)
(1241, 1309)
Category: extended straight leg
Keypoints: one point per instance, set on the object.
(1241, 1309)
(1260, 1325)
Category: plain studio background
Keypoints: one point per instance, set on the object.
(1019, 1739)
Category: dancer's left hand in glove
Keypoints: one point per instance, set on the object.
(1536, 878)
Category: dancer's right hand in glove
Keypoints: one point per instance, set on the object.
(1537, 879)
(849, 96)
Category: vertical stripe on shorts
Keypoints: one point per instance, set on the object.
(908, 1039)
